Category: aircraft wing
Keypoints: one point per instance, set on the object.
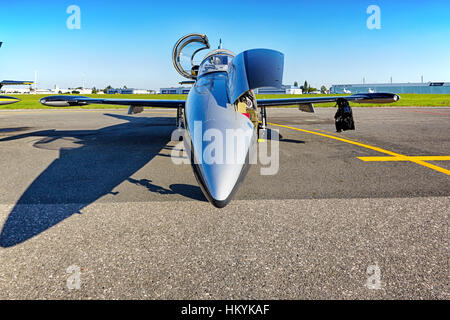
(74, 101)
(358, 98)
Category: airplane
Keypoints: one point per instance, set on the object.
(222, 99)
(4, 100)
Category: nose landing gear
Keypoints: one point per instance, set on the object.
(180, 121)
(179, 118)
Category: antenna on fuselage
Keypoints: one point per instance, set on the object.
(220, 44)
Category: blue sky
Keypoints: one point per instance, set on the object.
(130, 42)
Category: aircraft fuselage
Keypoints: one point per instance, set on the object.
(219, 137)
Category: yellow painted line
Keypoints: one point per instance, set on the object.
(409, 158)
(397, 155)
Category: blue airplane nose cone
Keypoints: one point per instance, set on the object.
(220, 140)
(221, 181)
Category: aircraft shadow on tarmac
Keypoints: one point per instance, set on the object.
(292, 141)
(189, 191)
(97, 162)
(281, 138)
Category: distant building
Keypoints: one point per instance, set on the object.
(58, 90)
(130, 91)
(178, 90)
(428, 87)
(83, 91)
(12, 90)
(42, 91)
(285, 89)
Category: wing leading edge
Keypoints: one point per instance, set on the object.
(74, 101)
(358, 98)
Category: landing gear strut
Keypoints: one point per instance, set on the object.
(180, 121)
(262, 127)
(344, 116)
(179, 118)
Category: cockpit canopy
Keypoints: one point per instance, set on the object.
(216, 61)
(185, 51)
(187, 62)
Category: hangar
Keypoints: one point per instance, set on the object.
(423, 88)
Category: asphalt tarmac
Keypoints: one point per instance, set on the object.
(361, 214)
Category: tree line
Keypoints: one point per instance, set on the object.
(306, 88)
